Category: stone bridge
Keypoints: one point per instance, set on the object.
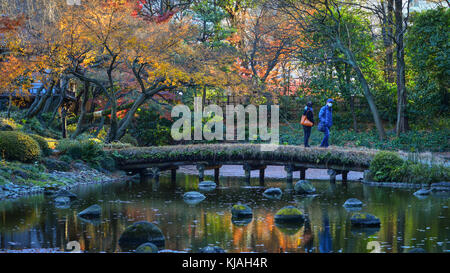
(151, 161)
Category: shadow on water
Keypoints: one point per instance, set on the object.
(406, 221)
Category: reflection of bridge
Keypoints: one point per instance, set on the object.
(150, 161)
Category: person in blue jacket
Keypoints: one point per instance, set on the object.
(326, 121)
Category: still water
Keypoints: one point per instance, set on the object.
(406, 221)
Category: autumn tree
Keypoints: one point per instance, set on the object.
(327, 40)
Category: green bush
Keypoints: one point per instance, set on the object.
(412, 172)
(127, 138)
(89, 151)
(18, 146)
(43, 144)
(384, 165)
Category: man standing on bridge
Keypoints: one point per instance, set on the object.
(326, 121)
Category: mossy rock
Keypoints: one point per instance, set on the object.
(273, 193)
(352, 203)
(207, 185)
(91, 212)
(147, 248)
(129, 139)
(55, 165)
(241, 211)
(43, 144)
(18, 146)
(241, 222)
(289, 228)
(193, 197)
(289, 214)
(304, 187)
(362, 219)
(140, 233)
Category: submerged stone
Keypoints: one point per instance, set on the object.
(273, 193)
(241, 211)
(66, 193)
(353, 203)
(289, 214)
(440, 187)
(93, 211)
(241, 222)
(364, 220)
(62, 202)
(422, 192)
(304, 187)
(207, 185)
(140, 233)
(211, 249)
(193, 197)
(365, 231)
(147, 248)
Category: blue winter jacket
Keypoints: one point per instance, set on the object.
(326, 116)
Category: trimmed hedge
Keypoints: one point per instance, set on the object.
(384, 164)
(43, 144)
(18, 146)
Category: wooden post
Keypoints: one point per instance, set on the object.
(303, 173)
(216, 175)
(344, 176)
(332, 174)
(247, 169)
(173, 175)
(201, 172)
(289, 177)
(261, 177)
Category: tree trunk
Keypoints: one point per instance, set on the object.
(352, 109)
(371, 102)
(8, 115)
(402, 125)
(369, 96)
(387, 32)
(80, 125)
(33, 112)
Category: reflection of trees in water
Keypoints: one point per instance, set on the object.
(36, 220)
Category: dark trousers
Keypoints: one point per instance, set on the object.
(326, 135)
(307, 134)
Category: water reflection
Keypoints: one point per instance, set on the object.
(407, 222)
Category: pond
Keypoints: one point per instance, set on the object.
(407, 222)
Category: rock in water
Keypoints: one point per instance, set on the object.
(241, 211)
(140, 233)
(62, 202)
(147, 248)
(207, 185)
(289, 214)
(422, 192)
(50, 190)
(93, 211)
(352, 203)
(66, 193)
(364, 220)
(304, 187)
(273, 193)
(211, 249)
(417, 250)
(440, 187)
(193, 197)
